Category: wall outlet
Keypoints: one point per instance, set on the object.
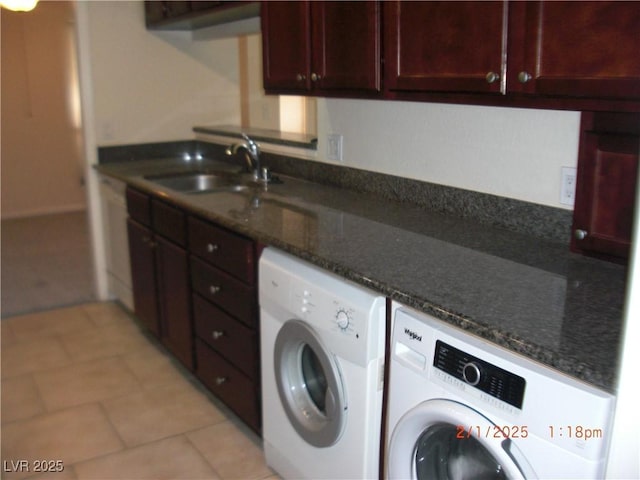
(568, 181)
(334, 147)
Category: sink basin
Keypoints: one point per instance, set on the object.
(197, 182)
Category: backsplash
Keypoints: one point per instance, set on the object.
(549, 223)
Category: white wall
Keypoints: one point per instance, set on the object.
(264, 110)
(155, 86)
(509, 152)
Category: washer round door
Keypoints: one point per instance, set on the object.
(444, 439)
(309, 384)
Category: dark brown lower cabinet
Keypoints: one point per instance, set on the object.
(226, 382)
(161, 293)
(160, 277)
(226, 335)
(143, 275)
(174, 299)
(225, 310)
(194, 287)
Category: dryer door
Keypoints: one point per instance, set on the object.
(443, 439)
(309, 384)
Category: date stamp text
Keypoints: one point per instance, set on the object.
(553, 432)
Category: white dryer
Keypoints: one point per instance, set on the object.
(322, 352)
(462, 408)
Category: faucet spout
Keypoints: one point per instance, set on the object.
(252, 153)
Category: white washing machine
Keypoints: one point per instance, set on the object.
(462, 408)
(322, 351)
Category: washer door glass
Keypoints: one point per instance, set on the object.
(309, 384)
(440, 454)
(314, 379)
(430, 441)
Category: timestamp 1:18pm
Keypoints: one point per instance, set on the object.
(575, 431)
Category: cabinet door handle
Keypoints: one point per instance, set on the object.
(300, 77)
(150, 242)
(220, 380)
(213, 289)
(216, 334)
(492, 77)
(212, 247)
(580, 234)
(524, 77)
(315, 77)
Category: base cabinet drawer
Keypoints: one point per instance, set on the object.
(228, 251)
(139, 206)
(227, 383)
(234, 341)
(230, 294)
(169, 221)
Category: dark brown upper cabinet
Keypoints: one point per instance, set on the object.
(547, 54)
(606, 187)
(321, 48)
(578, 49)
(445, 46)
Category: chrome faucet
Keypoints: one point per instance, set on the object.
(252, 152)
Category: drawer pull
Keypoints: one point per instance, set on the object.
(220, 380)
(216, 334)
(212, 247)
(213, 289)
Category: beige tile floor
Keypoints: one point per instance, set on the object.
(84, 386)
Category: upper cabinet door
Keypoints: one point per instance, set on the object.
(580, 49)
(286, 46)
(445, 46)
(346, 45)
(321, 47)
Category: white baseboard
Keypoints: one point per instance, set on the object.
(45, 211)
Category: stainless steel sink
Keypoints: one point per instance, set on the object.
(191, 182)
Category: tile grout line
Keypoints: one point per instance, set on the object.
(200, 453)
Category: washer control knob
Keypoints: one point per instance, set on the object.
(342, 319)
(471, 373)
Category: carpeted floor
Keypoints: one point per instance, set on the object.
(45, 263)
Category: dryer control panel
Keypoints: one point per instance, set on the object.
(348, 317)
(492, 380)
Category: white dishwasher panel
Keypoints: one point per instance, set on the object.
(114, 207)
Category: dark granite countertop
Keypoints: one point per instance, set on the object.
(529, 295)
